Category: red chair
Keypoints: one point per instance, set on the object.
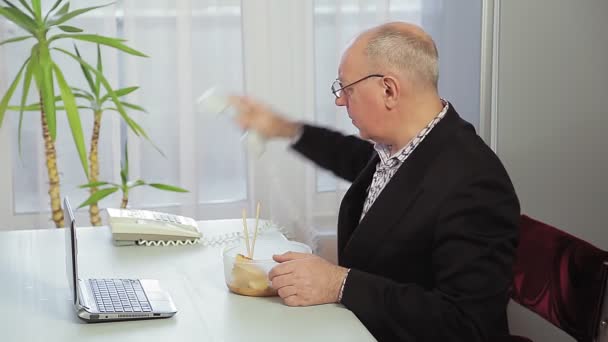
(561, 278)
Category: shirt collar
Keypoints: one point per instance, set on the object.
(384, 151)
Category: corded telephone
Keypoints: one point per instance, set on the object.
(131, 227)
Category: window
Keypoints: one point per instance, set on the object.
(284, 52)
(192, 46)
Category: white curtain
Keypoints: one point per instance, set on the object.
(285, 52)
(193, 45)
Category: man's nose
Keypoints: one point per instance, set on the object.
(341, 101)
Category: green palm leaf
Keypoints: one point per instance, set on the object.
(73, 118)
(67, 28)
(99, 68)
(27, 7)
(37, 9)
(10, 91)
(132, 106)
(46, 87)
(137, 183)
(63, 10)
(119, 92)
(26, 89)
(82, 94)
(34, 107)
(16, 39)
(21, 19)
(73, 14)
(85, 96)
(55, 5)
(98, 196)
(53, 8)
(93, 184)
(127, 105)
(167, 187)
(11, 5)
(86, 73)
(94, 38)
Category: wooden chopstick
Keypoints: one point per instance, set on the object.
(255, 234)
(246, 232)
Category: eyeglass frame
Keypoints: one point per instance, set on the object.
(337, 81)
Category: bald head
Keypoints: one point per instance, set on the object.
(402, 48)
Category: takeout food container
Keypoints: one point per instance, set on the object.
(249, 277)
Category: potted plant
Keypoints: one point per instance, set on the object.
(40, 67)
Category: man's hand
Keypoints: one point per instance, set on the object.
(305, 279)
(263, 119)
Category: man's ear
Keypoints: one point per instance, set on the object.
(392, 91)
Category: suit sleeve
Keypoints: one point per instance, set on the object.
(474, 246)
(345, 156)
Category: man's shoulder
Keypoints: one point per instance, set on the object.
(459, 141)
(466, 155)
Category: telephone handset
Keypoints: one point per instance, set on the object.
(130, 227)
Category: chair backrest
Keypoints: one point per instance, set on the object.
(561, 278)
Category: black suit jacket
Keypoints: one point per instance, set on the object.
(431, 260)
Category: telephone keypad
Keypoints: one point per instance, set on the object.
(167, 218)
(148, 215)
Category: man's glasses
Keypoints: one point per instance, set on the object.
(337, 87)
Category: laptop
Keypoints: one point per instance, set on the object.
(105, 300)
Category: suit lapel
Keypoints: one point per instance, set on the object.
(393, 202)
(352, 204)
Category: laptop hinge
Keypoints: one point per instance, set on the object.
(81, 298)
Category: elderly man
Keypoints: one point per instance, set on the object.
(427, 230)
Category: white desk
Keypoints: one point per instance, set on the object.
(35, 300)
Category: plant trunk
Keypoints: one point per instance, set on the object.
(125, 200)
(94, 168)
(52, 171)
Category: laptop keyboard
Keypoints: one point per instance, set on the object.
(119, 295)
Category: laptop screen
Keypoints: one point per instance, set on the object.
(71, 247)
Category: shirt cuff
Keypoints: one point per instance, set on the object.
(294, 140)
(342, 286)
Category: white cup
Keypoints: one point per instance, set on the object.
(215, 101)
(212, 101)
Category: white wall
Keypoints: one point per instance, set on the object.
(552, 121)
